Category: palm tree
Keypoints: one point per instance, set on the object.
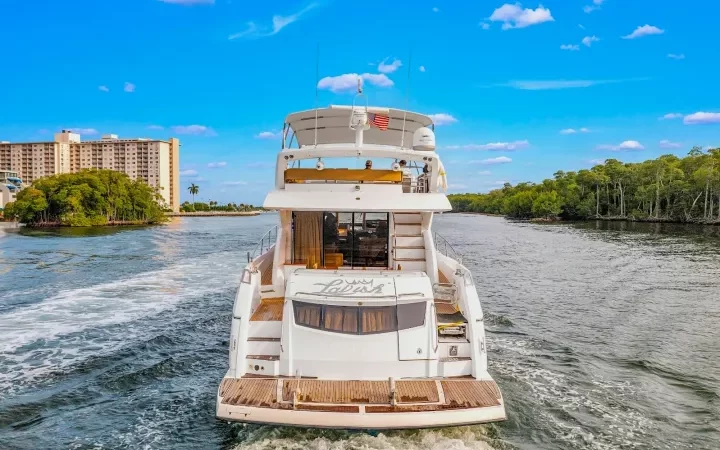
(194, 189)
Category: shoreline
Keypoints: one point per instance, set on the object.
(712, 223)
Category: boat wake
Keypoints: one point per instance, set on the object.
(76, 324)
(479, 437)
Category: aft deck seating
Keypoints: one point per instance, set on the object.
(360, 396)
(345, 175)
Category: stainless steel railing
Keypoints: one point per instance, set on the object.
(442, 246)
(267, 241)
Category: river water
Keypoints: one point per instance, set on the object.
(600, 336)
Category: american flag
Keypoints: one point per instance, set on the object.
(379, 121)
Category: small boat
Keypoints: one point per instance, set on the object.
(352, 313)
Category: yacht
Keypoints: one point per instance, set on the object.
(352, 312)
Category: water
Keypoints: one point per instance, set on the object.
(600, 336)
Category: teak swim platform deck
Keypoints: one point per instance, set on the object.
(362, 398)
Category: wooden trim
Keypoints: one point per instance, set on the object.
(372, 175)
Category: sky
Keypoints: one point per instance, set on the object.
(517, 90)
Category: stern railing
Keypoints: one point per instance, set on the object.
(267, 241)
(443, 246)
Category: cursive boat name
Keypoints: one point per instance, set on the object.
(342, 287)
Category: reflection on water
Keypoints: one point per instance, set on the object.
(60, 232)
(601, 335)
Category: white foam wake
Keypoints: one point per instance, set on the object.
(120, 301)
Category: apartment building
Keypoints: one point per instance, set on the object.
(152, 161)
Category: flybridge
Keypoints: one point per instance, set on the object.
(332, 127)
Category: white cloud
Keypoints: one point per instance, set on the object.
(701, 118)
(188, 173)
(484, 25)
(570, 47)
(588, 40)
(574, 131)
(493, 161)
(581, 26)
(216, 165)
(514, 16)
(268, 135)
(492, 146)
(671, 116)
(197, 130)
(645, 30)
(389, 68)
(539, 85)
(235, 183)
(348, 82)
(422, 68)
(484, 173)
(676, 56)
(189, 2)
(103, 88)
(436, 9)
(597, 161)
(253, 31)
(622, 147)
(595, 6)
(155, 127)
(129, 87)
(669, 145)
(442, 119)
(84, 131)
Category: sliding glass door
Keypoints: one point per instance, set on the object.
(359, 239)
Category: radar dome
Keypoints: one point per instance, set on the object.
(424, 139)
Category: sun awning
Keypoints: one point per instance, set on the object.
(333, 126)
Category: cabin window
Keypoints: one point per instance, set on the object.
(307, 314)
(359, 319)
(340, 318)
(378, 319)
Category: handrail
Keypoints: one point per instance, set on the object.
(435, 329)
(261, 248)
(447, 249)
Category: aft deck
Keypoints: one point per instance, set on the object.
(360, 397)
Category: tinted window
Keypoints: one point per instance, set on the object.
(411, 315)
(360, 320)
(378, 319)
(307, 314)
(340, 318)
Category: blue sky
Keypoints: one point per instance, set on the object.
(222, 74)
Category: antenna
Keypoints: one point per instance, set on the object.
(407, 100)
(317, 80)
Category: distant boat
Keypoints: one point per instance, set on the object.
(352, 313)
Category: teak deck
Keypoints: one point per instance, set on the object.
(270, 309)
(360, 396)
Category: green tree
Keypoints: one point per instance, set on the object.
(193, 189)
